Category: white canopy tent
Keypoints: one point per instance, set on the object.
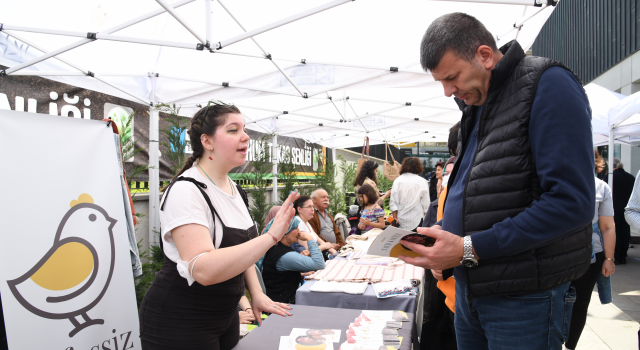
(615, 119)
(329, 72)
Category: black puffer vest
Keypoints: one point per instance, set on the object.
(281, 285)
(503, 182)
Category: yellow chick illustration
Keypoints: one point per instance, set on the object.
(73, 276)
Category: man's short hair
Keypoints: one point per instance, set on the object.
(314, 194)
(617, 164)
(457, 31)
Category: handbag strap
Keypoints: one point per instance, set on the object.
(385, 153)
(365, 144)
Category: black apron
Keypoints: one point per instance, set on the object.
(174, 315)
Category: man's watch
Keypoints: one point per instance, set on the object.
(468, 259)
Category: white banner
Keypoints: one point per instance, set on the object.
(65, 272)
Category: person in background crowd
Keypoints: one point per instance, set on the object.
(622, 187)
(322, 221)
(245, 311)
(517, 217)
(409, 195)
(443, 329)
(210, 243)
(632, 211)
(368, 175)
(435, 180)
(283, 265)
(305, 210)
(372, 215)
(272, 214)
(604, 242)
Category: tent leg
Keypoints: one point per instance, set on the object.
(611, 150)
(154, 168)
(274, 157)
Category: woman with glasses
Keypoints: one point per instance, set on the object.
(304, 210)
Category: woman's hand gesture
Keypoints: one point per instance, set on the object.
(284, 216)
(261, 302)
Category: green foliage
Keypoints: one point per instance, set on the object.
(286, 174)
(349, 171)
(176, 136)
(258, 183)
(127, 145)
(384, 185)
(154, 258)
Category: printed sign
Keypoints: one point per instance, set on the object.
(65, 271)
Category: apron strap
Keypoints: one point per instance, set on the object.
(200, 187)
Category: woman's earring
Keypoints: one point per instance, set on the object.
(210, 155)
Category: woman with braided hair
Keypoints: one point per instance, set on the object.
(210, 244)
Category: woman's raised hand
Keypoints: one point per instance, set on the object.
(284, 216)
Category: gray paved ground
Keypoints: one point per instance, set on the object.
(615, 325)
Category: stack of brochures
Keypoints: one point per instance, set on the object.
(375, 330)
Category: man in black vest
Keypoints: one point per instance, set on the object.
(520, 199)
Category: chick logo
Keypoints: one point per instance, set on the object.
(72, 277)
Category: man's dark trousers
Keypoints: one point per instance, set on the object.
(622, 188)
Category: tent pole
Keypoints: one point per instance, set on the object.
(103, 36)
(82, 71)
(611, 150)
(154, 167)
(86, 41)
(503, 2)
(275, 158)
(308, 61)
(191, 94)
(229, 85)
(303, 14)
(178, 18)
(207, 18)
(267, 55)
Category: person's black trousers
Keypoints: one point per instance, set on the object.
(584, 286)
(623, 236)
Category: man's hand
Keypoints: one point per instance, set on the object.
(305, 253)
(446, 252)
(304, 274)
(437, 274)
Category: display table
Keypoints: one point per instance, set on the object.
(368, 301)
(268, 335)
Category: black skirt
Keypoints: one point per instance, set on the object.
(174, 315)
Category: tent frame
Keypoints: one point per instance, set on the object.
(216, 47)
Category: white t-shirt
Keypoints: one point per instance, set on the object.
(186, 205)
(604, 207)
(307, 228)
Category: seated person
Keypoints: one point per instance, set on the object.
(245, 312)
(305, 212)
(322, 222)
(372, 215)
(282, 265)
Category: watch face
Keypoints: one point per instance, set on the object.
(469, 262)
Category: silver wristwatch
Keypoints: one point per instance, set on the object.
(468, 259)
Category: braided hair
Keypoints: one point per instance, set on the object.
(205, 122)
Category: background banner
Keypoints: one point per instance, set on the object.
(65, 269)
(40, 95)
